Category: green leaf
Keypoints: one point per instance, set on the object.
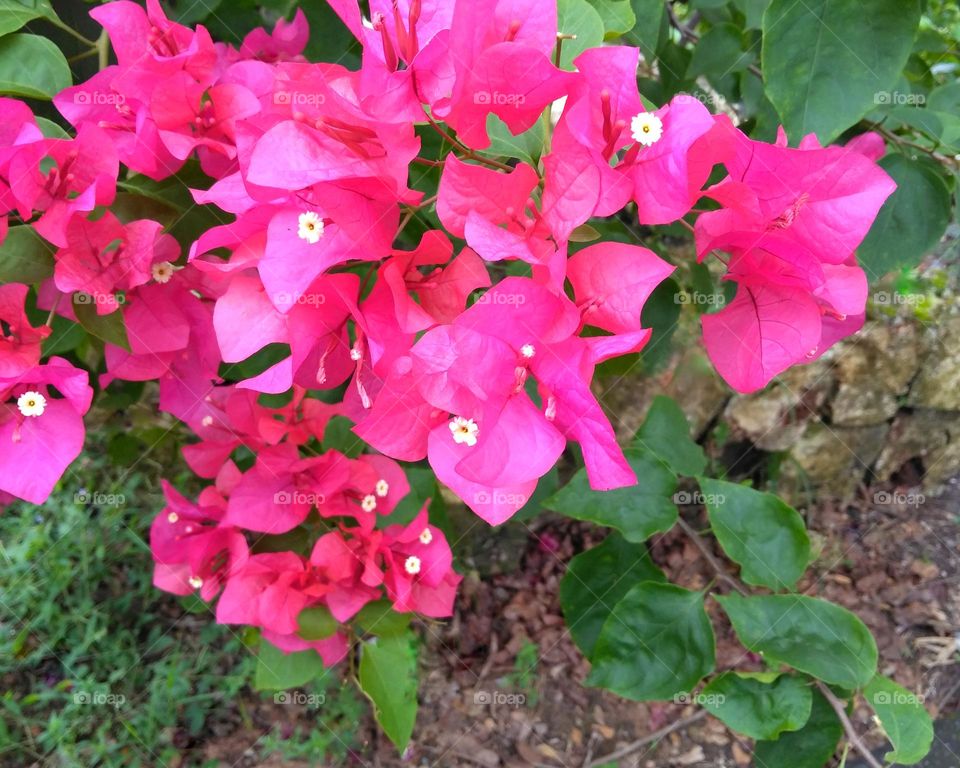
(379, 618)
(46, 75)
(316, 623)
(277, 671)
(758, 531)
(810, 747)
(806, 45)
(109, 328)
(526, 146)
(758, 708)
(719, 53)
(15, 13)
(911, 221)
(388, 675)
(617, 16)
(637, 512)
(25, 257)
(339, 436)
(646, 30)
(657, 643)
(51, 129)
(577, 17)
(904, 719)
(596, 580)
(809, 634)
(666, 434)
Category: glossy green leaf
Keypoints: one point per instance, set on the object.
(904, 719)
(25, 257)
(15, 13)
(810, 747)
(637, 512)
(825, 61)
(596, 580)
(43, 78)
(759, 532)
(656, 643)
(758, 708)
(809, 634)
(665, 433)
(388, 676)
(911, 221)
(277, 671)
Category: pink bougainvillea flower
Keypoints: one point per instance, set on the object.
(348, 567)
(81, 176)
(287, 40)
(20, 343)
(40, 433)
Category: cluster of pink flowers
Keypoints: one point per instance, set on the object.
(486, 379)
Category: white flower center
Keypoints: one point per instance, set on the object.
(162, 272)
(195, 581)
(412, 565)
(310, 227)
(646, 128)
(528, 351)
(207, 420)
(356, 354)
(426, 537)
(32, 403)
(383, 488)
(464, 431)
(173, 517)
(369, 503)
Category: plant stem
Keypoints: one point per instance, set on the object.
(714, 563)
(59, 24)
(103, 50)
(639, 744)
(852, 735)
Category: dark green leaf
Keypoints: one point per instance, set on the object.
(339, 436)
(904, 719)
(596, 580)
(109, 328)
(759, 532)
(666, 434)
(15, 13)
(316, 623)
(646, 32)
(637, 512)
(806, 47)
(911, 221)
(719, 53)
(379, 618)
(388, 675)
(809, 634)
(758, 707)
(810, 747)
(657, 643)
(277, 671)
(25, 257)
(43, 78)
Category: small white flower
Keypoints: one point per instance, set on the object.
(528, 351)
(412, 565)
(195, 581)
(646, 128)
(369, 503)
(32, 403)
(207, 420)
(426, 537)
(356, 354)
(310, 227)
(383, 488)
(464, 431)
(162, 272)
(173, 517)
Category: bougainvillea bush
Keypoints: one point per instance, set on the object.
(438, 247)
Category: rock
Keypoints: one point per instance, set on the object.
(932, 437)
(698, 389)
(938, 384)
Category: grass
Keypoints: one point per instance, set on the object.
(98, 668)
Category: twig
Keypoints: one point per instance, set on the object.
(639, 744)
(705, 551)
(848, 728)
